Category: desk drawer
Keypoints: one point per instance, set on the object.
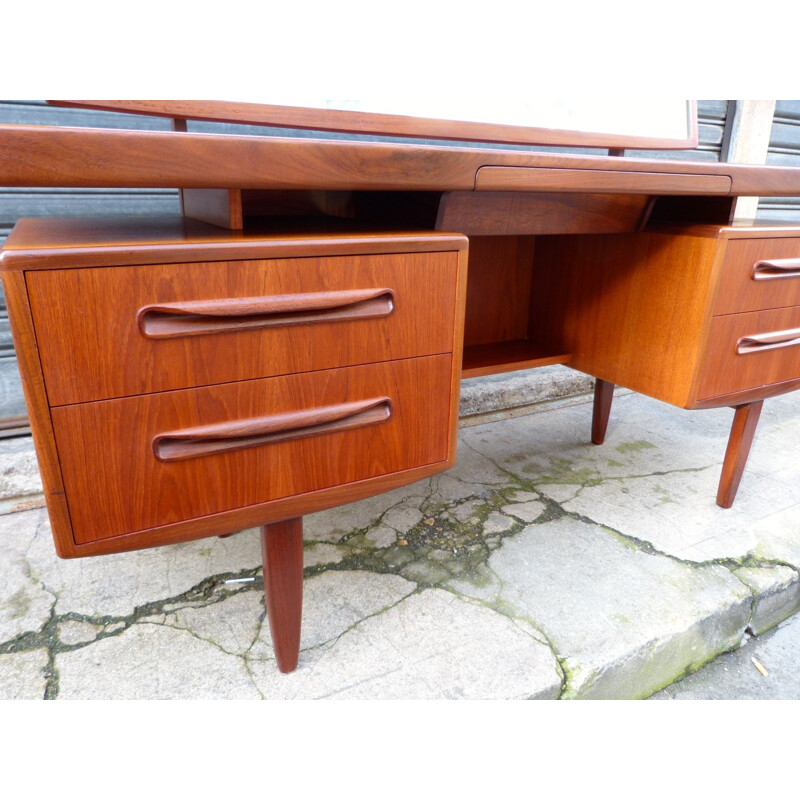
(137, 463)
(120, 331)
(747, 351)
(759, 274)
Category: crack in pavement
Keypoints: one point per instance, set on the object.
(466, 543)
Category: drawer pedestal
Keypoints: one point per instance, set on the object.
(178, 390)
(697, 316)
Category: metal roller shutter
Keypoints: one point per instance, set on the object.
(784, 150)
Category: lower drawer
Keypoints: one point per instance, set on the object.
(137, 463)
(748, 351)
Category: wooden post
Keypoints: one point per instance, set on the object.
(743, 429)
(282, 555)
(603, 395)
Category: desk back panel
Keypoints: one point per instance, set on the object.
(498, 288)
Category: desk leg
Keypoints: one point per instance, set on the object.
(282, 555)
(743, 429)
(603, 395)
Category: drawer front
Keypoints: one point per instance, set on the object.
(747, 351)
(121, 331)
(137, 463)
(759, 274)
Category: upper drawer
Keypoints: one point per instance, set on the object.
(748, 351)
(119, 331)
(759, 273)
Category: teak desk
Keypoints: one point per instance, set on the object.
(296, 339)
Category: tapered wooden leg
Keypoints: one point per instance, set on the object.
(603, 395)
(745, 421)
(282, 554)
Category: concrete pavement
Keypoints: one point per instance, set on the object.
(541, 566)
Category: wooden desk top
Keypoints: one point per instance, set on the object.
(46, 243)
(82, 157)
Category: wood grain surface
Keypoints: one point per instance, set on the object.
(33, 386)
(101, 351)
(114, 241)
(512, 213)
(497, 357)
(498, 289)
(745, 422)
(597, 180)
(739, 289)
(397, 125)
(725, 371)
(282, 557)
(51, 156)
(116, 485)
(632, 309)
(601, 409)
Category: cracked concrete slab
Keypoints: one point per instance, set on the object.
(334, 602)
(141, 664)
(734, 676)
(114, 585)
(539, 566)
(19, 470)
(25, 605)
(429, 645)
(776, 592)
(623, 622)
(22, 675)
(232, 623)
(527, 512)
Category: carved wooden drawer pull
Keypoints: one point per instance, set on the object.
(227, 437)
(776, 268)
(168, 320)
(768, 341)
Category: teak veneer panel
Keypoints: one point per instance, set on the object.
(740, 292)
(393, 124)
(115, 241)
(632, 309)
(589, 180)
(51, 156)
(33, 386)
(101, 352)
(725, 371)
(499, 288)
(512, 213)
(489, 359)
(116, 485)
